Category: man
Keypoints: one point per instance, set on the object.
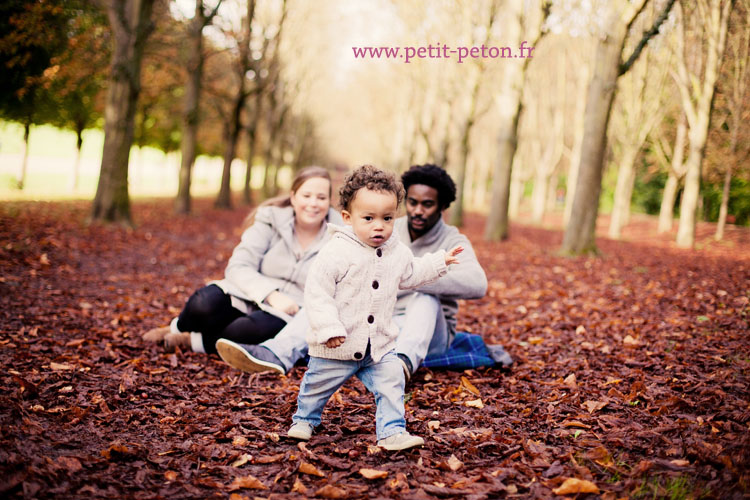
(426, 317)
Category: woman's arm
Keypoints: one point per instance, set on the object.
(243, 269)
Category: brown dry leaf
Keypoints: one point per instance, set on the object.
(71, 464)
(573, 485)
(299, 487)
(373, 450)
(399, 482)
(535, 340)
(581, 330)
(433, 425)
(680, 462)
(171, 475)
(469, 386)
(245, 458)
(628, 340)
(61, 366)
(308, 468)
(240, 441)
(237, 496)
(454, 463)
(476, 403)
(273, 436)
(269, 459)
(373, 473)
(570, 381)
(249, 482)
(593, 406)
(576, 424)
(331, 491)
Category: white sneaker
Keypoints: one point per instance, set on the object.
(400, 441)
(300, 430)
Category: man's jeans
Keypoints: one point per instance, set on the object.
(420, 318)
(384, 379)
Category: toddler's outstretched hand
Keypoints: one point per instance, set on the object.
(335, 342)
(450, 255)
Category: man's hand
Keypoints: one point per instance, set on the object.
(282, 302)
(335, 342)
(450, 255)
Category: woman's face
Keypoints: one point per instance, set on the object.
(311, 202)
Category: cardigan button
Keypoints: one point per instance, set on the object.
(379, 252)
(371, 319)
(357, 355)
(375, 284)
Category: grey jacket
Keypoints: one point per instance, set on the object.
(265, 261)
(465, 280)
(351, 292)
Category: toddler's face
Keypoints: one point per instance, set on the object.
(372, 215)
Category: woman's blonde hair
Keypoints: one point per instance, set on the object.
(285, 200)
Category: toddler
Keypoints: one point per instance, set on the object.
(350, 294)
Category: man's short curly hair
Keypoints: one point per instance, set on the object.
(436, 178)
(373, 179)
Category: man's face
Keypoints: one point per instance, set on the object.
(422, 209)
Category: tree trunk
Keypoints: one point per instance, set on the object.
(516, 195)
(191, 109)
(580, 234)
(575, 154)
(724, 205)
(252, 131)
(131, 24)
(497, 226)
(676, 171)
(623, 192)
(77, 162)
(231, 134)
(21, 181)
(698, 108)
(539, 195)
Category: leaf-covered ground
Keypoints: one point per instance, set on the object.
(632, 374)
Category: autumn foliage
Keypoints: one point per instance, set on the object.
(631, 374)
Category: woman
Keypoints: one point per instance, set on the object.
(264, 281)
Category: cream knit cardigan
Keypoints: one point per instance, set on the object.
(351, 292)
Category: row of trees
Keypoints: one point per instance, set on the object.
(638, 86)
(149, 76)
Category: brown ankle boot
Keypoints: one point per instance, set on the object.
(175, 340)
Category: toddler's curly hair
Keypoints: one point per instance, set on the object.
(373, 179)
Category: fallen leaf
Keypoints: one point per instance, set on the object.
(71, 464)
(535, 340)
(476, 403)
(308, 468)
(373, 450)
(572, 486)
(580, 330)
(433, 425)
(269, 459)
(245, 458)
(628, 340)
(454, 463)
(570, 381)
(239, 441)
(680, 462)
(61, 366)
(469, 386)
(299, 487)
(373, 473)
(593, 406)
(171, 475)
(331, 491)
(249, 482)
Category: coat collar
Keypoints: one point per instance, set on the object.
(427, 239)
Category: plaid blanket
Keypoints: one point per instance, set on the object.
(469, 351)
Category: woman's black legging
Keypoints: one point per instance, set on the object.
(209, 311)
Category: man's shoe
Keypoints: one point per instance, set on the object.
(174, 340)
(300, 430)
(156, 334)
(400, 441)
(405, 365)
(248, 358)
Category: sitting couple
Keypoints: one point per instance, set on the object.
(251, 317)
